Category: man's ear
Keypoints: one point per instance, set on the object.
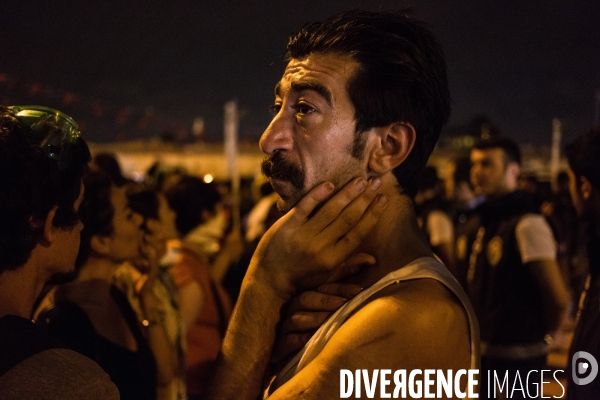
(390, 146)
(49, 229)
(514, 169)
(100, 244)
(586, 188)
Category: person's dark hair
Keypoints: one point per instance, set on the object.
(401, 77)
(96, 212)
(144, 201)
(31, 184)
(429, 179)
(583, 155)
(508, 146)
(188, 198)
(107, 163)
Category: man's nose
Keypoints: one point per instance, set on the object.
(277, 136)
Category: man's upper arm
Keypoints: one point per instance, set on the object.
(555, 295)
(535, 239)
(387, 333)
(440, 228)
(538, 252)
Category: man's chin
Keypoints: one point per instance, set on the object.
(285, 204)
(289, 195)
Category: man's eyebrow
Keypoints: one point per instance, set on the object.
(314, 87)
(278, 89)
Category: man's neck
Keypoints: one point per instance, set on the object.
(98, 268)
(395, 241)
(19, 290)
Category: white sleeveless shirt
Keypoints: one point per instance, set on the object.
(424, 267)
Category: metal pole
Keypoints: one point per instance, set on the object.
(231, 125)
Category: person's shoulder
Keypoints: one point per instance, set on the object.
(532, 221)
(57, 373)
(418, 298)
(415, 323)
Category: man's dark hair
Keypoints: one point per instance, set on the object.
(401, 77)
(583, 155)
(508, 146)
(144, 201)
(96, 212)
(31, 184)
(188, 198)
(107, 163)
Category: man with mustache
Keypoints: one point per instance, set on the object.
(356, 115)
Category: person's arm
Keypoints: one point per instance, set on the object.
(441, 237)
(191, 301)
(537, 248)
(164, 353)
(230, 253)
(555, 297)
(298, 252)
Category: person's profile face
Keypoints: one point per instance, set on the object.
(311, 135)
(489, 171)
(69, 240)
(127, 234)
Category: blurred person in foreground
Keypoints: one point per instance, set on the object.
(513, 279)
(584, 186)
(42, 161)
(356, 115)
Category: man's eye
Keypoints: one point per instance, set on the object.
(274, 109)
(304, 109)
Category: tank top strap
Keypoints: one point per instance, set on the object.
(424, 267)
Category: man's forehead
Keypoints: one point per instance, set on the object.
(317, 70)
(480, 154)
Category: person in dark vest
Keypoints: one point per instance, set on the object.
(433, 219)
(42, 160)
(584, 186)
(512, 279)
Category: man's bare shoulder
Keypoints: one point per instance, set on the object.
(416, 324)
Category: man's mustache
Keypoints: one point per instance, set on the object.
(279, 168)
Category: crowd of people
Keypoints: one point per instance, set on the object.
(361, 258)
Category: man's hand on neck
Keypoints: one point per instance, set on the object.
(300, 251)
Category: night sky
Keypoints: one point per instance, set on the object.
(521, 63)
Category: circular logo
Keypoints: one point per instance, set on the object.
(581, 368)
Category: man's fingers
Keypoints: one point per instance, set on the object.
(358, 232)
(289, 344)
(340, 290)
(331, 210)
(353, 212)
(349, 267)
(315, 301)
(307, 204)
(304, 321)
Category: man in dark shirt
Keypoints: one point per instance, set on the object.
(584, 185)
(513, 279)
(42, 160)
